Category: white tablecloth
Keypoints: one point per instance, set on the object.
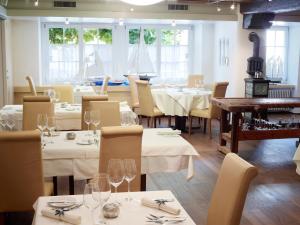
(67, 118)
(132, 213)
(179, 102)
(160, 153)
(80, 91)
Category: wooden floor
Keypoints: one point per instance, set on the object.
(274, 196)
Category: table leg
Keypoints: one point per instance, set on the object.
(223, 126)
(71, 185)
(180, 123)
(54, 179)
(143, 182)
(235, 132)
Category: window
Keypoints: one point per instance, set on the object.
(63, 54)
(76, 52)
(276, 53)
(168, 50)
(174, 53)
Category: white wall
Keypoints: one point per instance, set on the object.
(294, 58)
(25, 50)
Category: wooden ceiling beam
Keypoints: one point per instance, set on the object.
(275, 6)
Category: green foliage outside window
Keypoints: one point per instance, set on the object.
(167, 37)
(70, 36)
(149, 36)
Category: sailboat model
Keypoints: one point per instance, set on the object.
(139, 61)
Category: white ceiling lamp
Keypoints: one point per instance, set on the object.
(173, 23)
(232, 7)
(36, 3)
(67, 22)
(142, 2)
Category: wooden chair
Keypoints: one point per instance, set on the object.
(213, 112)
(230, 192)
(36, 99)
(66, 93)
(192, 80)
(21, 171)
(133, 91)
(31, 85)
(104, 86)
(122, 143)
(31, 111)
(109, 112)
(147, 106)
(86, 106)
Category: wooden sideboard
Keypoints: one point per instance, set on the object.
(231, 130)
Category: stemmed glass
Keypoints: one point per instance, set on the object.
(124, 119)
(87, 119)
(130, 173)
(115, 172)
(102, 181)
(10, 122)
(3, 120)
(42, 121)
(95, 118)
(91, 197)
(51, 125)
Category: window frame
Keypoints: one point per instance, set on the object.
(286, 49)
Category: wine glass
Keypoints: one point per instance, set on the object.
(95, 118)
(10, 122)
(42, 124)
(102, 181)
(130, 173)
(124, 119)
(91, 198)
(3, 120)
(115, 172)
(87, 119)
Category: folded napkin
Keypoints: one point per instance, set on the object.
(163, 206)
(66, 217)
(124, 103)
(169, 132)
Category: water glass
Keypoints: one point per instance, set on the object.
(103, 183)
(91, 198)
(87, 119)
(130, 173)
(115, 171)
(95, 118)
(10, 122)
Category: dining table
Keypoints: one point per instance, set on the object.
(179, 101)
(131, 213)
(68, 116)
(163, 150)
(80, 91)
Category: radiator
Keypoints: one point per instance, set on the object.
(280, 93)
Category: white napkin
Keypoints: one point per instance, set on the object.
(67, 217)
(124, 103)
(169, 132)
(164, 207)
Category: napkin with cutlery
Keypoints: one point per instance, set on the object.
(161, 206)
(66, 216)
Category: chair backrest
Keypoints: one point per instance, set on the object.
(145, 98)
(21, 171)
(109, 112)
(66, 93)
(133, 89)
(104, 86)
(31, 111)
(122, 143)
(230, 191)
(36, 99)
(86, 106)
(193, 78)
(31, 85)
(219, 91)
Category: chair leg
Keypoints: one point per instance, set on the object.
(199, 120)
(190, 124)
(154, 118)
(159, 120)
(2, 218)
(148, 121)
(209, 128)
(152, 122)
(169, 121)
(204, 125)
